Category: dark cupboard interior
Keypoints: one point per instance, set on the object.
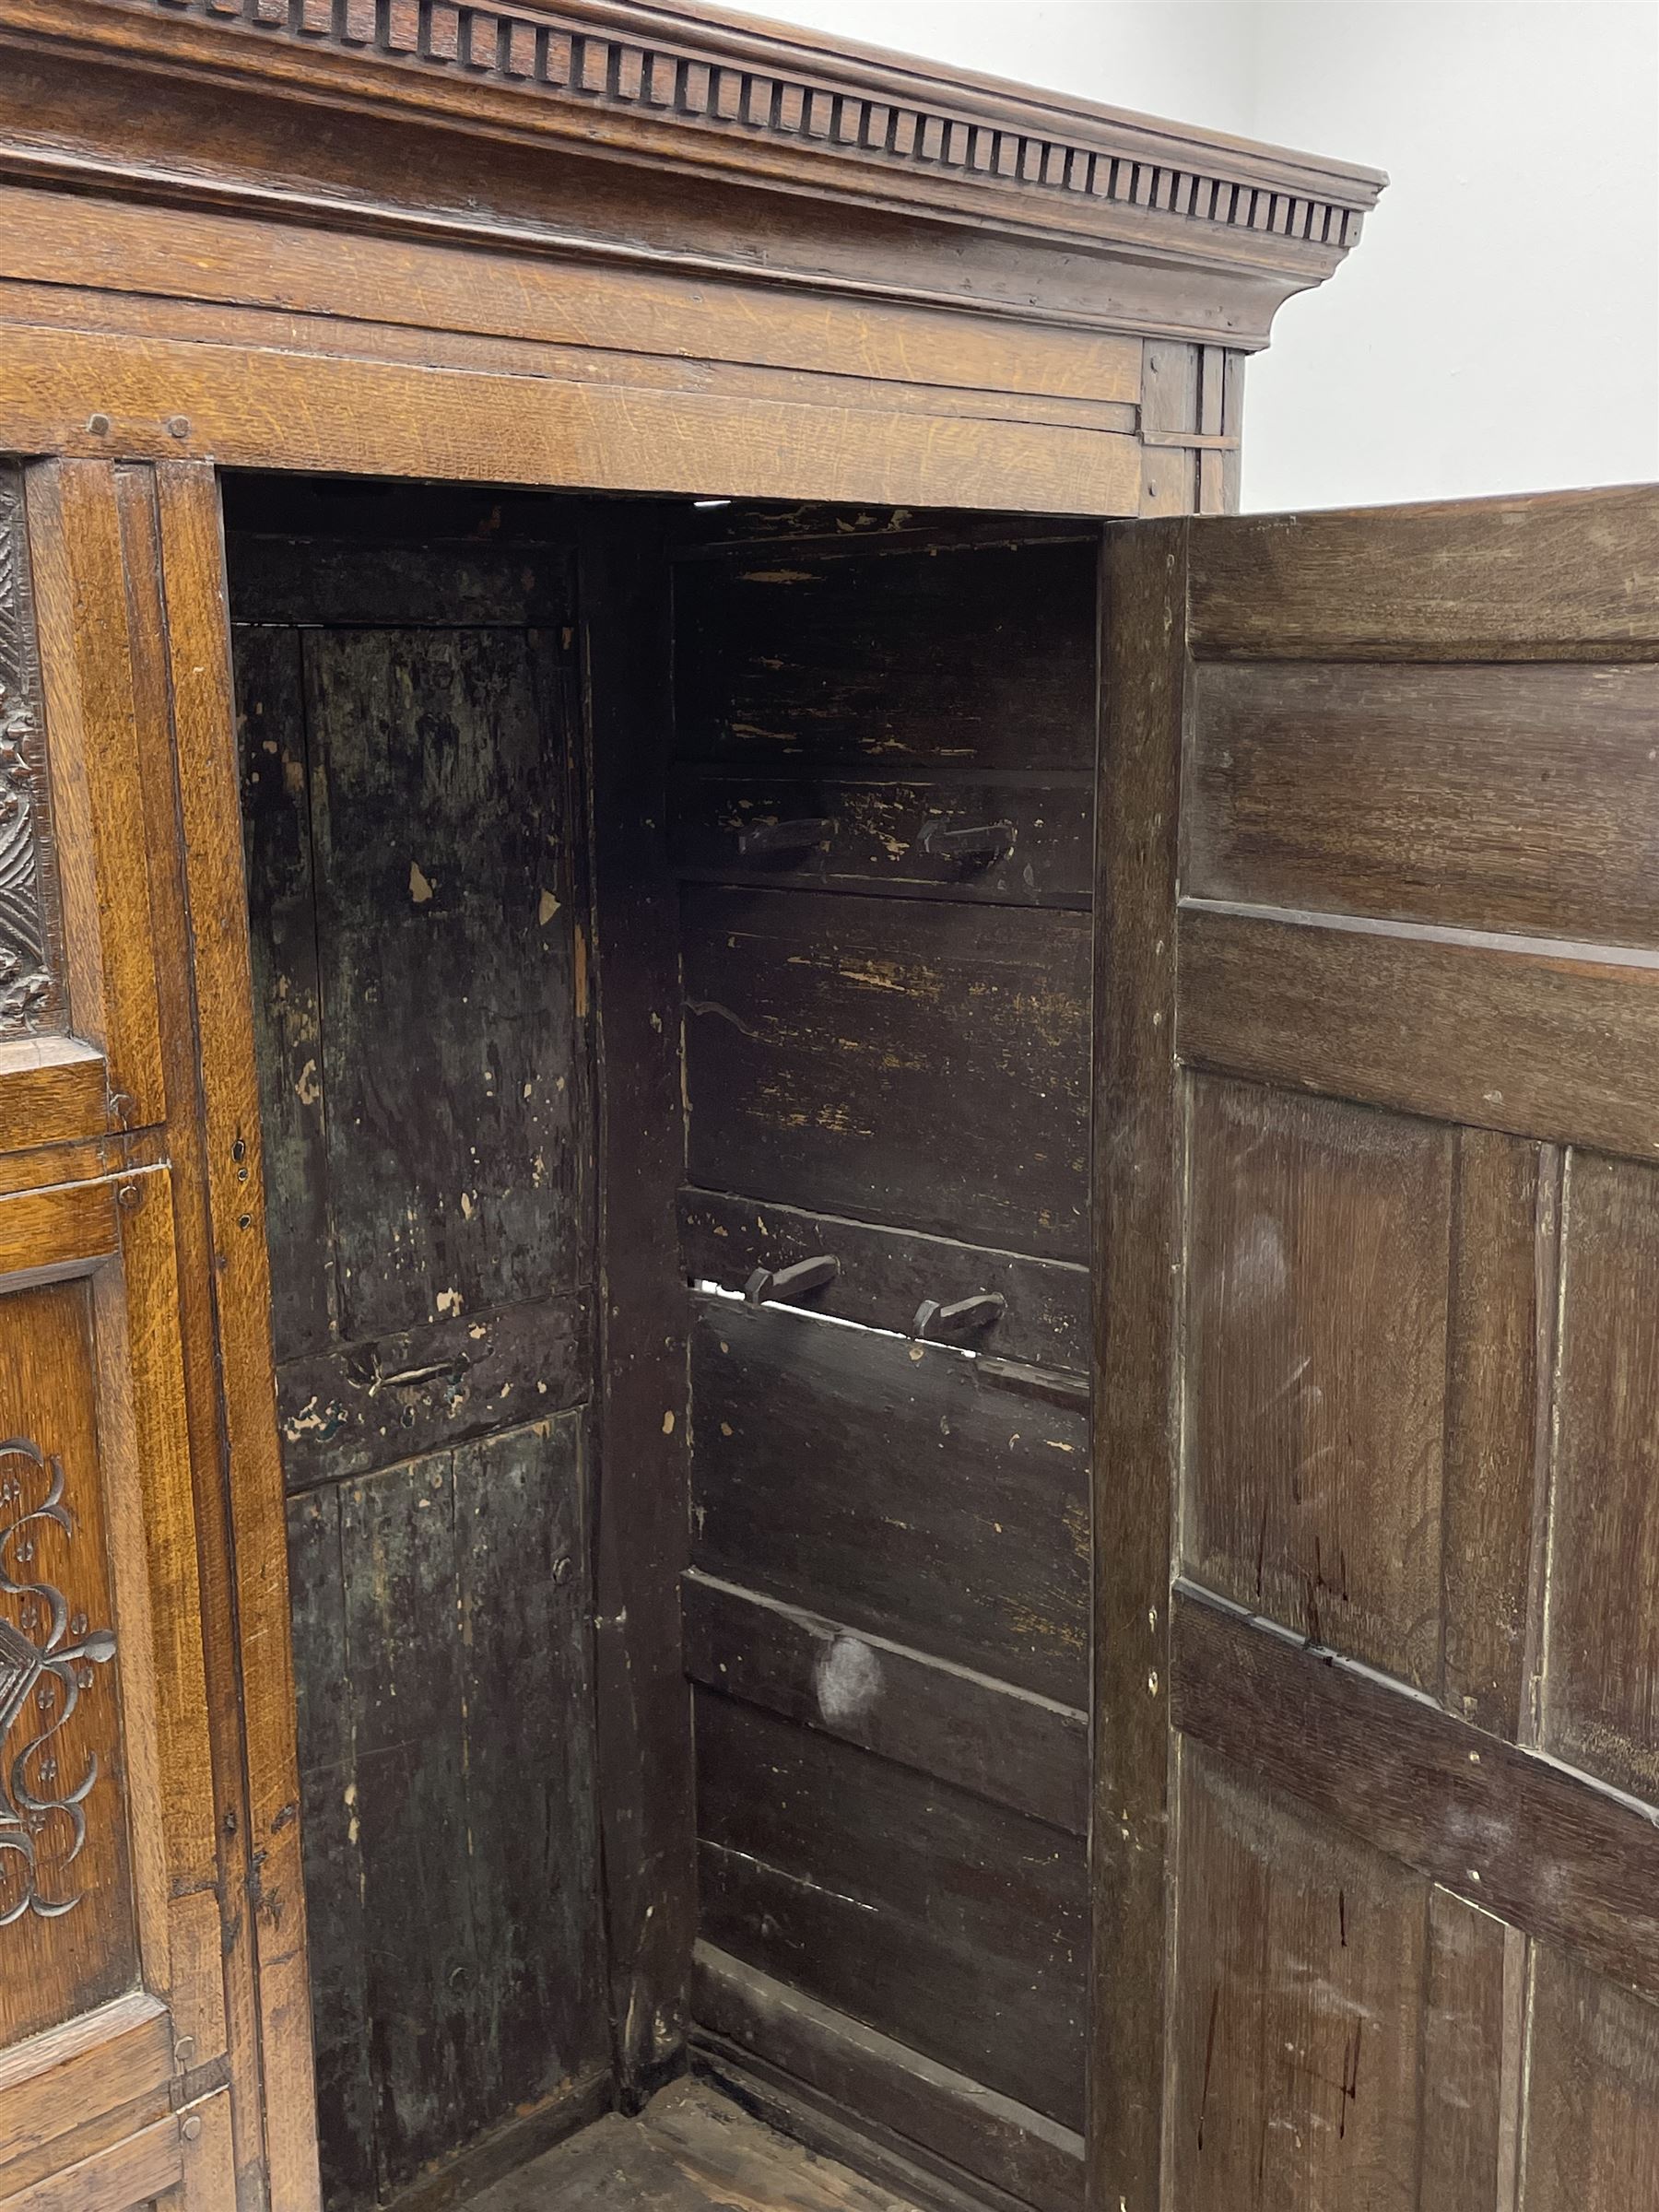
(672, 943)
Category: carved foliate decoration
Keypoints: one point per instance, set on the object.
(49, 1657)
(26, 985)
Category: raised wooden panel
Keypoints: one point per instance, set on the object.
(1550, 1039)
(982, 658)
(1315, 1373)
(876, 1480)
(967, 1943)
(1574, 576)
(1295, 2032)
(869, 1057)
(1517, 798)
(1601, 1663)
(1593, 2119)
(68, 1935)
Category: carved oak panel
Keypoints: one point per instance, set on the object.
(67, 1924)
(27, 989)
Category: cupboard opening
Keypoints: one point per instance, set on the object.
(671, 945)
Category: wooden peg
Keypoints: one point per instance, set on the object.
(781, 1285)
(935, 1323)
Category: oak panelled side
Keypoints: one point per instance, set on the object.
(1410, 1959)
(128, 2067)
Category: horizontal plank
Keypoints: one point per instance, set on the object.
(253, 406)
(876, 836)
(452, 586)
(357, 1408)
(145, 2165)
(965, 1729)
(73, 1225)
(966, 657)
(887, 1272)
(1510, 797)
(904, 1060)
(1553, 576)
(53, 1091)
(58, 2081)
(197, 254)
(891, 1486)
(1535, 1036)
(1519, 1835)
(887, 2084)
(952, 1925)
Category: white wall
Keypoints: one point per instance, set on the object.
(1497, 328)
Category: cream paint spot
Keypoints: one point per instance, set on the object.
(420, 890)
(668, 1424)
(308, 1090)
(548, 908)
(847, 1679)
(469, 1207)
(448, 1301)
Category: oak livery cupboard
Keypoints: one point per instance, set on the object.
(825, 1239)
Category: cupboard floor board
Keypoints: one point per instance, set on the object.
(691, 2150)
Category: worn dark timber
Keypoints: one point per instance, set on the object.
(873, 1480)
(948, 1722)
(885, 1274)
(988, 2144)
(967, 1945)
(869, 1057)
(1509, 1830)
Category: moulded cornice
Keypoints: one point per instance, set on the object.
(682, 85)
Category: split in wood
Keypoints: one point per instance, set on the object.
(939, 1323)
(769, 1285)
(980, 843)
(761, 838)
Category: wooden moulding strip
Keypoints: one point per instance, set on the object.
(910, 2103)
(71, 1227)
(58, 2082)
(1535, 1036)
(978, 1733)
(1543, 1848)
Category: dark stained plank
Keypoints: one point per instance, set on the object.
(1505, 1218)
(1135, 1245)
(421, 1966)
(893, 1487)
(876, 836)
(1511, 797)
(283, 579)
(275, 798)
(889, 2089)
(1593, 2131)
(1561, 576)
(1545, 1040)
(643, 1419)
(525, 1598)
(875, 1057)
(968, 659)
(1598, 1663)
(1315, 1368)
(1516, 1834)
(447, 970)
(330, 1835)
(948, 1722)
(357, 1406)
(886, 1274)
(1296, 2026)
(968, 1942)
